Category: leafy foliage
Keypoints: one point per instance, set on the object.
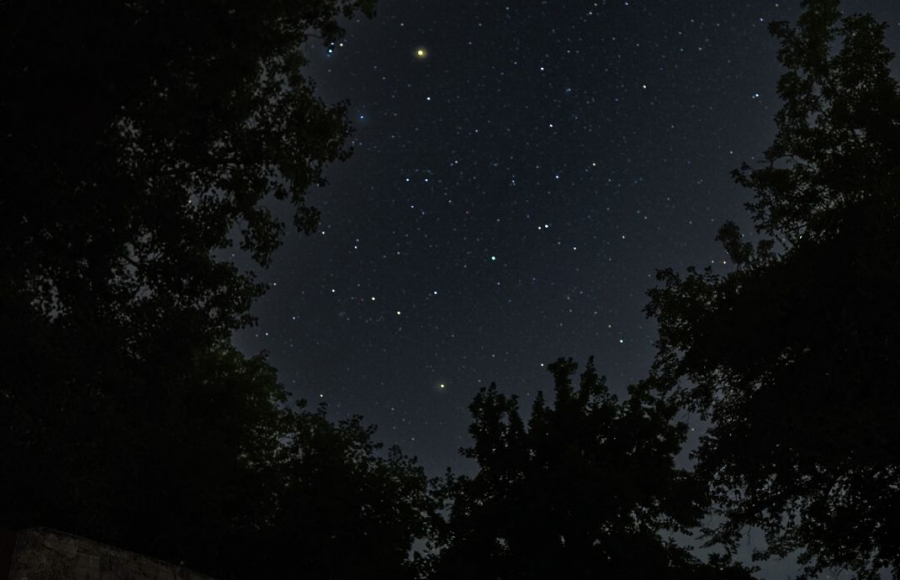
(216, 471)
(138, 135)
(791, 355)
(582, 491)
(837, 143)
(332, 506)
(138, 139)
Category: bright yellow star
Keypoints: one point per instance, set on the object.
(421, 53)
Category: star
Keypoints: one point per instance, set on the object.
(421, 53)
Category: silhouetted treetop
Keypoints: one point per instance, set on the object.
(792, 354)
(582, 490)
(837, 141)
(137, 139)
(138, 135)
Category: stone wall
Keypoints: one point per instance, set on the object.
(42, 554)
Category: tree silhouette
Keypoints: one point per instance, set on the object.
(582, 491)
(792, 354)
(329, 505)
(138, 135)
(341, 510)
(138, 140)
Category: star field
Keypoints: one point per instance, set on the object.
(520, 172)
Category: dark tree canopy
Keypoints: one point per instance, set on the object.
(792, 355)
(138, 135)
(583, 490)
(137, 139)
(216, 471)
(329, 505)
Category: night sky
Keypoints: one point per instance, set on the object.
(514, 187)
